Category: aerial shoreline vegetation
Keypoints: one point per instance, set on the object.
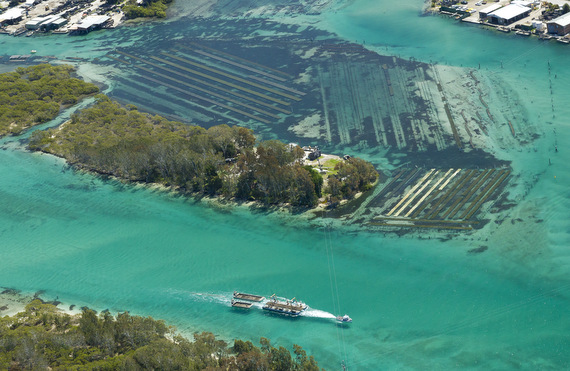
(43, 337)
(34, 95)
(148, 9)
(222, 161)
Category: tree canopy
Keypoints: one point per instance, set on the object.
(222, 160)
(42, 337)
(148, 9)
(34, 95)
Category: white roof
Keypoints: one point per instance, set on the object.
(51, 18)
(34, 22)
(92, 20)
(490, 8)
(563, 20)
(510, 11)
(12, 13)
(60, 21)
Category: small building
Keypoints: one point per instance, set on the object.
(314, 154)
(11, 16)
(35, 23)
(509, 14)
(559, 26)
(90, 23)
(484, 13)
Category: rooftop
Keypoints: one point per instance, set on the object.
(12, 13)
(490, 8)
(92, 20)
(510, 11)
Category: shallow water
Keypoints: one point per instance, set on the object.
(416, 303)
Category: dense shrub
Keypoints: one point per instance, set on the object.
(41, 337)
(34, 95)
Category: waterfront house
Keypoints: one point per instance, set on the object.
(90, 23)
(559, 26)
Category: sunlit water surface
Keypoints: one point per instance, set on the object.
(416, 303)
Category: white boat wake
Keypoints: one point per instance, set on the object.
(220, 298)
(316, 313)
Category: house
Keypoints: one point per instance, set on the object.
(90, 23)
(559, 26)
(314, 154)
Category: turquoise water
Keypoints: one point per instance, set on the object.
(416, 303)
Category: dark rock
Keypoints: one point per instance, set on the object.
(478, 250)
(9, 291)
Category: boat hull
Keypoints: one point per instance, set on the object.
(248, 297)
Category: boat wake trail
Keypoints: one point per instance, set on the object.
(316, 313)
(220, 298)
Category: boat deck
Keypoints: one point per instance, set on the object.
(241, 304)
(284, 306)
(250, 297)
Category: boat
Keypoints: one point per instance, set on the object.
(344, 319)
(522, 33)
(248, 297)
(241, 304)
(285, 306)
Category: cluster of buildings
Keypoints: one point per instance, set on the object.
(60, 16)
(524, 15)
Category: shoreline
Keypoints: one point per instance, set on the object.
(13, 301)
(523, 26)
(217, 202)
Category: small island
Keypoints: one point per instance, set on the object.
(34, 95)
(220, 161)
(44, 337)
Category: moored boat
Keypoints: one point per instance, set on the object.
(248, 297)
(344, 319)
(285, 306)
